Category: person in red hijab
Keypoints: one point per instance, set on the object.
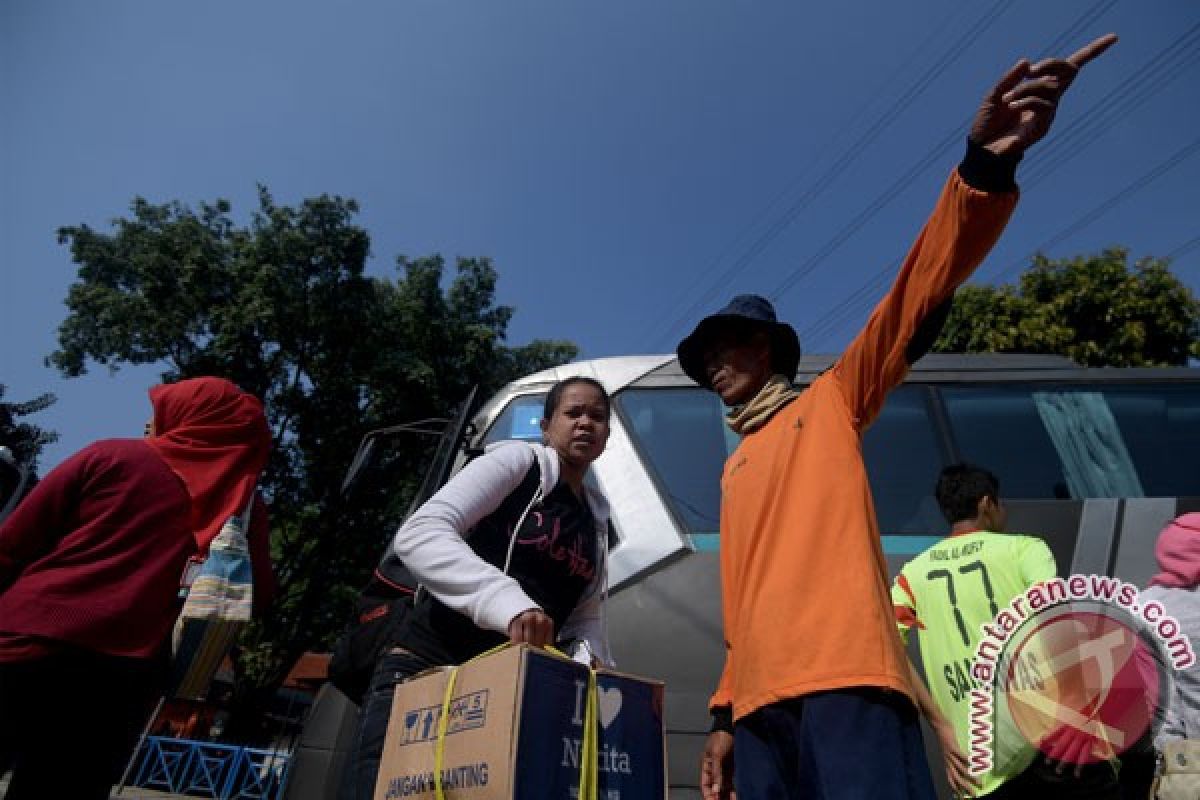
(90, 565)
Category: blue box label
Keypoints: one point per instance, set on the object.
(631, 739)
(630, 721)
(547, 762)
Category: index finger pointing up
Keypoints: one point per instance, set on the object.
(1088, 52)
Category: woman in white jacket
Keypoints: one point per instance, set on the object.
(513, 548)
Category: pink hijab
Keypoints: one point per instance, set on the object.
(1178, 553)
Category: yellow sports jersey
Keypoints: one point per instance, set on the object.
(947, 593)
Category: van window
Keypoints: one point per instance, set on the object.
(1160, 424)
(1041, 440)
(520, 419)
(683, 439)
(1077, 441)
(999, 428)
(682, 436)
(903, 461)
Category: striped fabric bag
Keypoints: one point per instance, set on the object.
(216, 609)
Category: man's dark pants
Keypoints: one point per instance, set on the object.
(847, 744)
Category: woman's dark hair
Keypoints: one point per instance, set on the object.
(960, 488)
(554, 397)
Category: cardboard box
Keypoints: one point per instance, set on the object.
(514, 732)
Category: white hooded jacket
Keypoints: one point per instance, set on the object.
(432, 544)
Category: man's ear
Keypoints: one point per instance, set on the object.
(985, 505)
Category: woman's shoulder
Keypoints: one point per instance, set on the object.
(490, 477)
(511, 450)
(518, 458)
(126, 457)
(119, 451)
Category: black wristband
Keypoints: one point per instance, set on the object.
(722, 719)
(984, 170)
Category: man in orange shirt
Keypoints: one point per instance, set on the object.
(815, 700)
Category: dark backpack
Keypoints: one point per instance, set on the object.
(378, 612)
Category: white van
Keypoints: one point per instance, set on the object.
(669, 442)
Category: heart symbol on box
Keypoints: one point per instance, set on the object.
(610, 705)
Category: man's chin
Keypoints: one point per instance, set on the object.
(732, 397)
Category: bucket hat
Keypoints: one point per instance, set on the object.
(743, 310)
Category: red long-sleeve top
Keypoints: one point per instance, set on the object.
(93, 557)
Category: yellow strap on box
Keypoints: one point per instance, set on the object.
(589, 759)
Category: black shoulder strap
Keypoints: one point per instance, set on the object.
(391, 571)
(520, 498)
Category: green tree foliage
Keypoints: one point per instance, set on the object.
(1095, 309)
(283, 308)
(24, 439)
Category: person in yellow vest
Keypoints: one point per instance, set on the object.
(815, 699)
(944, 595)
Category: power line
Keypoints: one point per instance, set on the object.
(1059, 44)
(830, 175)
(656, 326)
(1098, 211)
(832, 318)
(956, 135)
(1112, 202)
(1171, 62)
(865, 293)
(893, 191)
(1130, 93)
(863, 217)
(1091, 216)
(1183, 249)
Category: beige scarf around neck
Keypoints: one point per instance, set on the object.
(774, 395)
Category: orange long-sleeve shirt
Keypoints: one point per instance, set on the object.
(804, 581)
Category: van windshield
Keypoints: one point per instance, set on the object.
(1042, 441)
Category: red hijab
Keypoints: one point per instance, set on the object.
(1178, 553)
(215, 438)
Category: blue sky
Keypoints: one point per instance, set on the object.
(622, 162)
